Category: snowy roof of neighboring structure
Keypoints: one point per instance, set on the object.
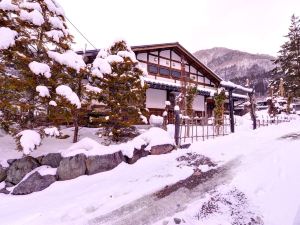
(231, 85)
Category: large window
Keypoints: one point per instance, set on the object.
(152, 69)
(175, 73)
(164, 71)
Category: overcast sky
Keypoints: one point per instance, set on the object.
(255, 26)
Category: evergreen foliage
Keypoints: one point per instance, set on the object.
(219, 98)
(191, 92)
(123, 91)
(288, 61)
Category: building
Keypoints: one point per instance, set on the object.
(170, 66)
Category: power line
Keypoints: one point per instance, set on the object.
(81, 33)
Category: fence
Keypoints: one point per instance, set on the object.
(267, 120)
(201, 128)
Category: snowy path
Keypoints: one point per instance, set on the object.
(150, 209)
(297, 218)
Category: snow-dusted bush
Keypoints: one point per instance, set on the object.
(156, 121)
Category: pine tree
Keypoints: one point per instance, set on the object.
(123, 90)
(219, 98)
(288, 61)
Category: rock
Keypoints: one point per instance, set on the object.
(19, 168)
(52, 159)
(8, 184)
(11, 161)
(101, 163)
(161, 149)
(3, 173)
(4, 191)
(177, 220)
(35, 182)
(137, 154)
(71, 167)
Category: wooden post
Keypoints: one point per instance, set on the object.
(252, 110)
(231, 109)
(177, 127)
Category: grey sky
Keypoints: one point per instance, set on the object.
(256, 26)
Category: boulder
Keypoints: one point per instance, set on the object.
(101, 163)
(71, 167)
(3, 173)
(19, 168)
(161, 149)
(35, 182)
(4, 191)
(137, 154)
(11, 161)
(52, 159)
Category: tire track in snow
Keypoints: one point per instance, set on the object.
(150, 209)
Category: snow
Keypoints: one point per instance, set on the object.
(89, 147)
(55, 35)
(54, 7)
(71, 96)
(29, 140)
(127, 54)
(144, 119)
(167, 102)
(57, 23)
(102, 54)
(46, 170)
(114, 59)
(91, 88)
(40, 69)
(6, 5)
(43, 91)
(176, 108)
(53, 103)
(69, 58)
(34, 17)
(230, 84)
(101, 66)
(31, 6)
(8, 37)
(156, 120)
(52, 131)
(265, 169)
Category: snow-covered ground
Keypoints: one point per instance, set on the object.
(264, 184)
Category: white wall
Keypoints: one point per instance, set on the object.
(198, 103)
(156, 98)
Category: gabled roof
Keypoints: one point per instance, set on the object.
(175, 46)
(180, 49)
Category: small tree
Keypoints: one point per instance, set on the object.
(219, 98)
(119, 77)
(191, 92)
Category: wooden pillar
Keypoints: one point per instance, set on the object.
(252, 110)
(231, 110)
(177, 127)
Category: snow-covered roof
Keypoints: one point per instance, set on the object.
(229, 84)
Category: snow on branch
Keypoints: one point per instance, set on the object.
(31, 6)
(53, 103)
(55, 35)
(71, 96)
(40, 69)
(57, 23)
(6, 5)
(7, 37)
(54, 7)
(91, 88)
(34, 17)
(114, 59)
(43, 91)
(69, 58)
(127, 54)
(29, 139)
(101, 66)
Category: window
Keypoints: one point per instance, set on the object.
(152, 69)
(193, 77)
(176, 73)
(164, 71)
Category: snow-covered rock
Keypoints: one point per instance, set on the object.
(72, 167)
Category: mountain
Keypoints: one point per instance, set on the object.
(238, 66)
